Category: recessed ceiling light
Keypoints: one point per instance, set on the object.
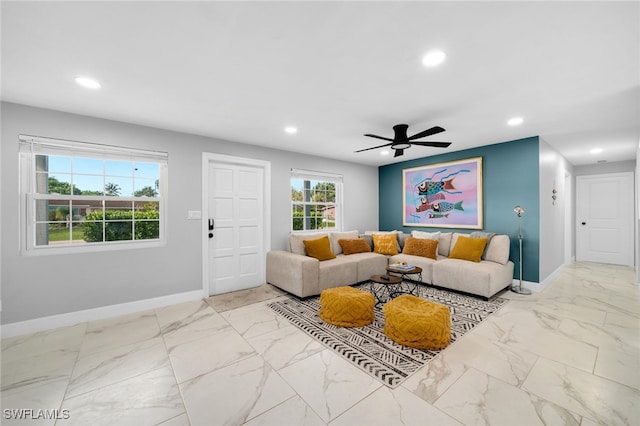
(515, 121)
(433, 58)
(291, 130)
(596, 150)
(89, 83)
(384, 152)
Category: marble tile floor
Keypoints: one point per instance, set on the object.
(569, 355)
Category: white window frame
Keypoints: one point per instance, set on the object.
(324, 177)
(31, 146)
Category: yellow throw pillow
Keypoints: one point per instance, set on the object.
(421, 247)
(319, 248)
(385, 244)
(352, 246)
(467, 248)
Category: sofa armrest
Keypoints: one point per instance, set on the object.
(293, 273)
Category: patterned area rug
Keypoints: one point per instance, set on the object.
(368, 348)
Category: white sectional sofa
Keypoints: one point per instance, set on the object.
(303, 276)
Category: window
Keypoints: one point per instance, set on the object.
(316, 201)
(81, 196)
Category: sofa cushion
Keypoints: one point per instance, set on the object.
(426, 235)
(402, 237)
(484, 278)
(454, 239)
(468, 248)
(343, 270)
(368, 264)
(335, 238)
(368, 239)
(386, 244)
(482, 234)
(319, 248)
(352, 246)
(399, 237)
(296, 244)
(421, 247)
(444, 240)
(444, 243)
(498, 249)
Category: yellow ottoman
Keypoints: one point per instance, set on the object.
(417, 323)
(346, 307)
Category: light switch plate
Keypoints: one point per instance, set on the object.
(194, 215)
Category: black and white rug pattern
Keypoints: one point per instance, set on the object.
(368, 348)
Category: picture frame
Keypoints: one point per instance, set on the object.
(444, 195)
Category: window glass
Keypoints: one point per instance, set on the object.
(81, 201)
(315, 204)
(146, 170)
(88, 166)
(118, 186)
(88, 185)
(118, 168)
(59, 164)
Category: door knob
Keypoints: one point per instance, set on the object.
(584, 223)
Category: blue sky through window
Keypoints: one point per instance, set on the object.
(90, 174)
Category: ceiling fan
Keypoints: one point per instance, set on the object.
(401, 141)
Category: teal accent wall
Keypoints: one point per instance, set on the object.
(511, 176)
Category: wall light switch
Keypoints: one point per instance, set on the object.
(194, 215)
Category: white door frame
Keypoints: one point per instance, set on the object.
(208, 158)
(569, 227)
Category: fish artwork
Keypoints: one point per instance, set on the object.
(439, 207)
(431, 188)
(443, 195)
(435, 197)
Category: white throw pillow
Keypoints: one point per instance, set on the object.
(444, 243)
(426, 235)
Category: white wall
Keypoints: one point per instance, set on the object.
(41, 286)
(553, 169)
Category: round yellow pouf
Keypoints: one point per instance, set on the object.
(417, 323)
(346, 307)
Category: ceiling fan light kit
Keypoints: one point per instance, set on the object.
(401, 141)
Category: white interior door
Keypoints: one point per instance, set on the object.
(236, 204)
(604, 218)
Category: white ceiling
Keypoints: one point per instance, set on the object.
(242, 71)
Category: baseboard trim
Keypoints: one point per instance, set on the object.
(534, 287)
(552, 277)
(78, 317)
(539, 287)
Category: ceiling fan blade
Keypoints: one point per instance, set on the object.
(379, 137)
(399, 152)
(375, 147)
(433, 144)
(428, 132)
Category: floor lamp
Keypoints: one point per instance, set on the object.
(519, 211)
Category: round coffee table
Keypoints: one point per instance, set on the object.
(391, 287)
(403, 275)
